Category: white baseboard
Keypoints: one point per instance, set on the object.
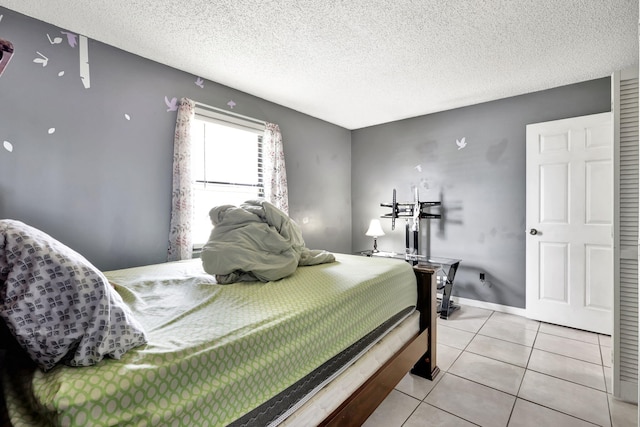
(488, 305)
(628, 391)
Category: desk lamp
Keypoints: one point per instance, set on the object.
(375, 231)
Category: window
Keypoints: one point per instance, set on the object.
(226, 166)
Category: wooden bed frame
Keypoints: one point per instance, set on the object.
(361, 404)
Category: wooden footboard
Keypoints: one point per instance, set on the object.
(427, 366)
(361, 404)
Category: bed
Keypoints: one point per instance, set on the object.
(248, 353)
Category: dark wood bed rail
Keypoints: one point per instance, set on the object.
(360, 405)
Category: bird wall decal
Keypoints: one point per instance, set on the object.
(173, 104)
(72, 38)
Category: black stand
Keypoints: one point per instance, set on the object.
(446, 306)
(416, 211)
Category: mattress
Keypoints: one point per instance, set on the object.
(216, 352)
(286, 403)
(322, 402)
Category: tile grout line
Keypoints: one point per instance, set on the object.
(605, 382)
(477, 333)
(601, 364)
(465, 349)
(412, 412)
(526, 369)
(513, 406)
(563, 379)
(568, 357)
(558, 411)
(566, 380)
(532, 347)
(571, 329)
(450, 413)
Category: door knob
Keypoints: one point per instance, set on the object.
(533, 231)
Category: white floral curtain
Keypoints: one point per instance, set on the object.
(275, 174)
(180, 244)
(275, 179)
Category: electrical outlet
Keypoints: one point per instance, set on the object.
(482, 276)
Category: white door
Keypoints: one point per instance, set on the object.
(569, 221)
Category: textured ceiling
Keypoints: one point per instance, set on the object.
(358, 63)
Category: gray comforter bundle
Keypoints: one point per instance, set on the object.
(256, 241)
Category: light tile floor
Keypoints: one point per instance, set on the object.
(504, 370)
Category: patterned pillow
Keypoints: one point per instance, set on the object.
(59, 307)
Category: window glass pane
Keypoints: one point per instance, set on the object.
(197, 148)
(230, 154)
(221, 157)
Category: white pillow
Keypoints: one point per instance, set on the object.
(59, 307)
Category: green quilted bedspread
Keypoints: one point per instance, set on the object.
(216, 352)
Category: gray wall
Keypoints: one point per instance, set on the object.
(101, 183)
(481, 186)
